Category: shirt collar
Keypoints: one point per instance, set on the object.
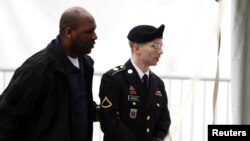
(139, 71)
(66, 58)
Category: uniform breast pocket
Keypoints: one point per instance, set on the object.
(157, 105)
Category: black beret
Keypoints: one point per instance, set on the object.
(145, 33)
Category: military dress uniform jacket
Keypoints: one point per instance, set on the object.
(130, 113)
(36, 105)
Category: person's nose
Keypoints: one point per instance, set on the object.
(94, 36)
(160, 50)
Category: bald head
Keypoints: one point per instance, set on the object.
(70, 18)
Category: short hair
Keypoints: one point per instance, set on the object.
(69, 18)
(131, 43)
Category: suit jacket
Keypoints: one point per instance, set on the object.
(130, 113)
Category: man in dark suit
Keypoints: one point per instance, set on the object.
(134, 104)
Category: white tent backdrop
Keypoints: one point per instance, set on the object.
(27, 26)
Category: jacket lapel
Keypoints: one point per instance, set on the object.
(151, 88)
(134, 79)
(88, 73)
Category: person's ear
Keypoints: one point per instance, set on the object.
(69, 32)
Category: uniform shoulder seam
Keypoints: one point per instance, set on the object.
(118, 69)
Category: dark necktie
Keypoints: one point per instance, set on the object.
(145, 81)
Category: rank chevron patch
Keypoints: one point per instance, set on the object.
(106, 103)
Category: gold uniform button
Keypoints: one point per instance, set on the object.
(134, 103)
(130, 71)
(147, 130)
(158, 105)
(148, 117)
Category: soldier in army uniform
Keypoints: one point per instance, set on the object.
(134, 109)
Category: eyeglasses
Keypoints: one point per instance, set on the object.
(155, 45)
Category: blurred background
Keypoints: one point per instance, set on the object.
(188, 66)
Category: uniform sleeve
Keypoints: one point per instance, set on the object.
(110, 91)
(17, 102)
(164, 122)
